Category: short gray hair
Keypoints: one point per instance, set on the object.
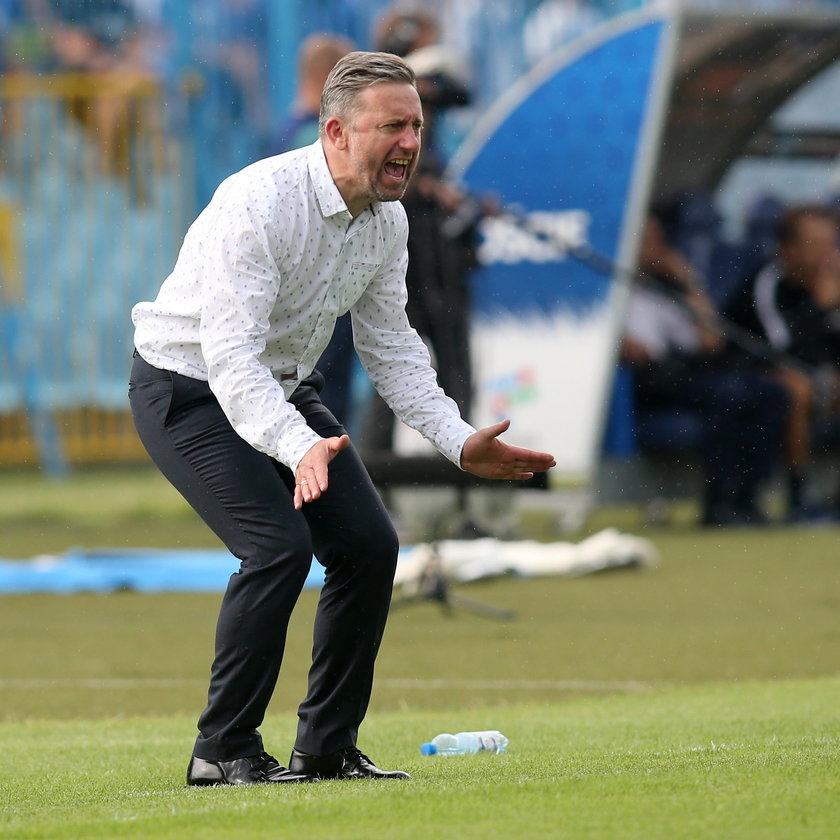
(352, 74)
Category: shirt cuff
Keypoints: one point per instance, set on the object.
(291, 452)
(452, 445)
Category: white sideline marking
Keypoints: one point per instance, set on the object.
(99, 682)
(385, 682)
(521, 685)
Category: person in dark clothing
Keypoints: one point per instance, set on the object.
(415, 36)
(793, 303)
(675, 348)
(441, 244)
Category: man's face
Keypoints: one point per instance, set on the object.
(816, 241)
(383, 137)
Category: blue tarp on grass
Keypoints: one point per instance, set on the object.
(140, 570)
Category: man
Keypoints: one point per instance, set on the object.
(225, 398)
(793, 304)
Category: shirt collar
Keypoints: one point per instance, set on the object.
(329, 198)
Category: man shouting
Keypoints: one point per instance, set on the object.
(225, 398)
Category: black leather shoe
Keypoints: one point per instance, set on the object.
(254, 770)
(348, 763)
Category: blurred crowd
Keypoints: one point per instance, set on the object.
(740, 362)
(733, 349)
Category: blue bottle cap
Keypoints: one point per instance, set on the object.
(428, 749)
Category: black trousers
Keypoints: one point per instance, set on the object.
(246, 497)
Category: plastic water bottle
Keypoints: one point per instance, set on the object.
(465, 743)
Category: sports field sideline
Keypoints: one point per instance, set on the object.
(699, 699)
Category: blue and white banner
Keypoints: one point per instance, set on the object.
(570, 147)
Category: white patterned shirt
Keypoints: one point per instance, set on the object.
(263, 273)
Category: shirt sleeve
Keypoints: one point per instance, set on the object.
(240, 285)
(397, 361)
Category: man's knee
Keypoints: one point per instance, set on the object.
(385, 546)
(289, 548)
(371, 550)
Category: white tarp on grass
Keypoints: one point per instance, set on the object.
(152, 570)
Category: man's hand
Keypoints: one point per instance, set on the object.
(486, 456)
(311, 476)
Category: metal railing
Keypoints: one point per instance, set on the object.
(95, 194)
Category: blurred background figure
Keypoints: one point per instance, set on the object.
(95, 35)
(793, 303)
(102, 37)
(441, 77)
(442, 221)
(674, 346)
(318, 55)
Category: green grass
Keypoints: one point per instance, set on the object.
(95, 508)
(745, 760)
(698, 700)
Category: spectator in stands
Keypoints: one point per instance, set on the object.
(317, 56)
(92, 35)
(441, 235)
(793, 303)
(674, 345)
(102, 37)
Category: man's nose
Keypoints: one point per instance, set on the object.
(410, 139)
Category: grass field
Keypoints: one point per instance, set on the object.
(698, 700)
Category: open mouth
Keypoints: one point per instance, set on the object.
(397, 168)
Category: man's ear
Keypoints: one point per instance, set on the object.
(336, 132)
